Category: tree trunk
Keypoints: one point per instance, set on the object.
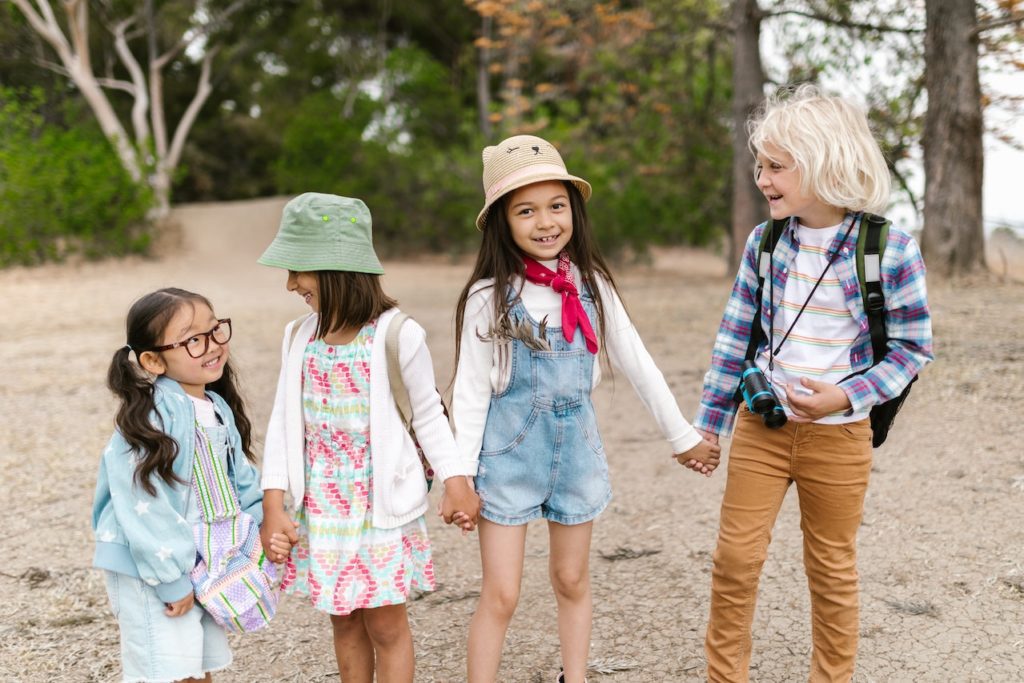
(748, 206)
(953, 240)
(483, 79)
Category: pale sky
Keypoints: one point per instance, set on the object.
(1004, 166)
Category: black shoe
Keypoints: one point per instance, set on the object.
(561, 676)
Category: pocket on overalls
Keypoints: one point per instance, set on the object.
(588, 425)
(505, 430)
(558, 377)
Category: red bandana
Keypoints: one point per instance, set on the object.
(573, 313)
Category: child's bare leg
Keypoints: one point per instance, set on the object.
(569, 566)
(352, 648)
(388, 628)
(501, 554)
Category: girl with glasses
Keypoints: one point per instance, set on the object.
(178, 394)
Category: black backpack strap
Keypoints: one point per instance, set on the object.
(766, 248)
(769, 238)
(874, 231)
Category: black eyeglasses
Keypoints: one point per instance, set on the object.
(199, 344)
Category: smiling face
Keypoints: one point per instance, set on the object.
(540, 218)
(193, 374)
(779, 180)
(307, 286)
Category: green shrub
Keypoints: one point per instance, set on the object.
(62, 189)
(406, 155)
(412, 153)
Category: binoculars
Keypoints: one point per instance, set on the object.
(759, 396)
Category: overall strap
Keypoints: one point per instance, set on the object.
(398, 388)
(214, 493)
(870, 247)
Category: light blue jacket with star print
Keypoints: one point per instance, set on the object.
(147, 536)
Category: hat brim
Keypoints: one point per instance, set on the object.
(582, 185)
(301, 257)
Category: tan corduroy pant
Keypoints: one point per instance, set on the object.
(830, 465)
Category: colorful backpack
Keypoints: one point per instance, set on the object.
(233, 579)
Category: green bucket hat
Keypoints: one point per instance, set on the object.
(324, 232)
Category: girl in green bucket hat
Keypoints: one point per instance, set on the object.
(338, 443)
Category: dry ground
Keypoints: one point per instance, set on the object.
(940, 549)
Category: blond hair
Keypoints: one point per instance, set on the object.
(831, 143)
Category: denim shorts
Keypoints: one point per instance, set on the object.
(554, 468)
(156, 648)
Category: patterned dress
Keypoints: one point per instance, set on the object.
(342, 562)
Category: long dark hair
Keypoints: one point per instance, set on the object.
(147, 320)
(349, 299)
(501, 259)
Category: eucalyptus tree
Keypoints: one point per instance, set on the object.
(138, 44)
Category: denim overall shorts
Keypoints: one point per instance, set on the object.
(542, 455)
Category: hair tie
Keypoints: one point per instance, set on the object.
(128, 347)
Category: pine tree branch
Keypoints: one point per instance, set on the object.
(1015, 18)
(845, 23)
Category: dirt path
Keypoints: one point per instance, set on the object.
(940, 549)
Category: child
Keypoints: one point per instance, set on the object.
(336, 442)
(529, 323)
(817, 163)
(145, 508)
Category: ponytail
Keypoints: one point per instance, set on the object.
(135, 392)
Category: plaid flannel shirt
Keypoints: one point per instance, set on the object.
(907, 322)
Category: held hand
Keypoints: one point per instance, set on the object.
(464, 522)
(280, 546)
(278, 535)
(709, 436)
(176, 609)
(823, 400)
(704, 457)
(459, 496)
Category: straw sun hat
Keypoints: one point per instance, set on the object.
(324, 232)
(519, 161)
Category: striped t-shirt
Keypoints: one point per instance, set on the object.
(819, 345)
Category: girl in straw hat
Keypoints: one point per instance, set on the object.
(538, 307)
(336, 441)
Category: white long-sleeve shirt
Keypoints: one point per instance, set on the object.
(399, 489)
(480, 372)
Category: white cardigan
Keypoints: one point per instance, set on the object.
(399, 488)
